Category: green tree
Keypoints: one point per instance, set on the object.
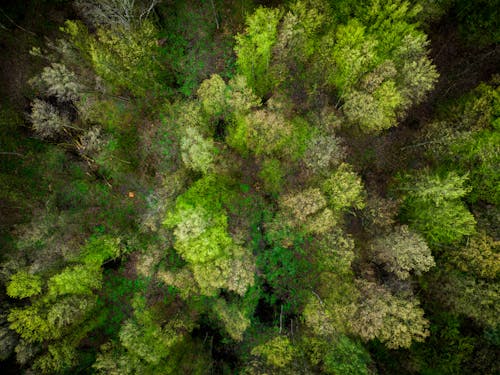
(23, 284)
(213, 95)
(346, 357)
(254, 49)
(278, 351)
(344, 189)
(433, 207)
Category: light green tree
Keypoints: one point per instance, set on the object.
(433, 207)
(254, 49)
(23, 284)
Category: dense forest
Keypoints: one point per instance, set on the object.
(250, 187)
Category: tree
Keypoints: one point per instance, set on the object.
(272, 175)
(346, 357)
(232, 319)
(303, 204)
(475, 298)
(323, 152)
(79, 279)
(116, 13)
(126, 59)
(57, 80)
(393, 320)
(23, 284)
(480, 256)
(344, 189)
(213, 95)
(402, 252)
(433, 207)
(277, 351)
(197, 152)
(254, 49)
(46, 120)
(352, 54)
(241, 98)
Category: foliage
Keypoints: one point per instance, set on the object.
(277, 351)
(480, 256)
(46, 119)
(212, 93)
(393, 320)
(56, 80)
(197, 152)
(346, 357)
(211, 187)
(254, 49)
(403, 252)
(433, 207)
(344, 189)
(272, 175)
(23, 284)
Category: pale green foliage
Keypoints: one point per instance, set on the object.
(182, 279)
(212, 93)
(344, 189)
(79, 279)
(70, 310)
(233, 320)
(57, 80)
(241, 98)
(303, 204)
(145, 338)
(393, 320)
(254, 49)
(481, 256)
(202, 239)
(147, 342)
(23, 284)
(322, 222)
(296, 42)
(278, 351)
(114, 360)
(212, 241)
(436, 189)
(323, 152)
(268, 133)
(307, 210)
(418, 78)
(402, 252)
(237, 135)
(332, 312)
(330, 309)
(234, 272)
(373, 111)
(197, 151)
(46, 119)
(25, 351)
